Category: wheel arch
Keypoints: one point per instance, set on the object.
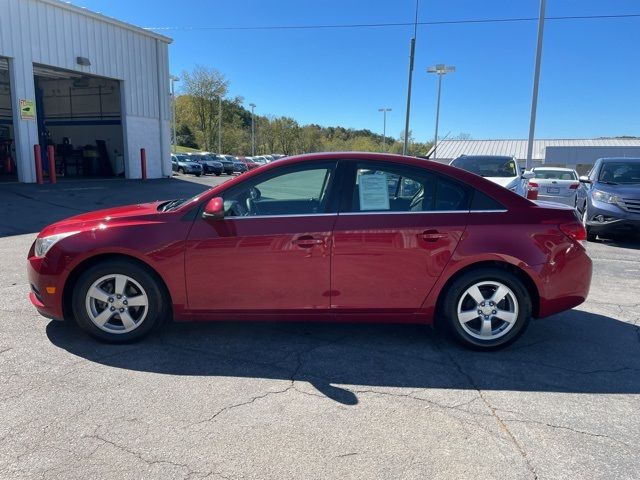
(73, 276)
(522, 275)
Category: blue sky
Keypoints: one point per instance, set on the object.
(589, 82)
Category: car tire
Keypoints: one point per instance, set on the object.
(218, 174)
(181, 171)
(591, 237)
(471, 296)
(96, 301)
(198, 174)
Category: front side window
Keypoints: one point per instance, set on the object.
(293, 192)
(396, 188)
(620, 172)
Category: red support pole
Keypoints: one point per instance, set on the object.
(143, 163)
(8, 164)
(38, 157)
(51, 153)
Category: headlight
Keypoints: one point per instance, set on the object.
(43, 244)
(605, 197)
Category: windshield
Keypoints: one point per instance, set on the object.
(620, 172)
(553, 174)
(487, 166)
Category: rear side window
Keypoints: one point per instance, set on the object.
(380, 187)
(481, 201)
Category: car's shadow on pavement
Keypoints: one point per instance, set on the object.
(575, 352)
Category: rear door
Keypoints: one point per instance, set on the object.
(397, 229)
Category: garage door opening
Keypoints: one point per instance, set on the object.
(8, 170)
(80, 115)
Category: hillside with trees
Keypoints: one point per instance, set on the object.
(205, 90)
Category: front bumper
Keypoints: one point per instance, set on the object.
(604, 218)
(46, 287)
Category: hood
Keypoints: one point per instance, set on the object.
(621, 190)
(503, 181)
(101, 218)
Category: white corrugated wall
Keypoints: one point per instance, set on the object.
(53, 33)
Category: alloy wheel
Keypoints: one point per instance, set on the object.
(487, 310)
(116, 303)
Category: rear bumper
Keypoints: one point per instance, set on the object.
(564, 282)
(570, 201)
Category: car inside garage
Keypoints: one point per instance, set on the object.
(80, 116)
(8, 170)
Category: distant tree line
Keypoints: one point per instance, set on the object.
(197, 114)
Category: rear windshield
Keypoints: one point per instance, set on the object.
(550, 174)
(487, 166)
(620, 172)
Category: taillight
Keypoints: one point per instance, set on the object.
(574, 186)
(532, 190)
(574, 230)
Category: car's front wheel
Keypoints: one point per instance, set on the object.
(487, 308)
(118, 301)
(181, 171)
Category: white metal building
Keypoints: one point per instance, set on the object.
(579, 154)
(95, 88)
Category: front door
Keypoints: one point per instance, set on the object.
(271, 252)
(396, 231)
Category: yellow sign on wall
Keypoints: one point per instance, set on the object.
(27, 109)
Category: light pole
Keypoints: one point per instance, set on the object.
(441, 69)
(220, 124)
(253, 129)
(412, 52)
(173, 79)
(384, 111)
(536, 79)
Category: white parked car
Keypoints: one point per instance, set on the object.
(555, 184)
(504, 171)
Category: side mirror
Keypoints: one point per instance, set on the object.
(528, 175)
(584, 179)
(214, 208)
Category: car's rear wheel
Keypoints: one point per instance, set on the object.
(487, 308)
(181, 171)
(118, 301)
(591, 237)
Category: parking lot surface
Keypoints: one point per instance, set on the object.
(307, 400)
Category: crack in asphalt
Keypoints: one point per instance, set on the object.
(571, 429)
(190, 472)
(494, 413)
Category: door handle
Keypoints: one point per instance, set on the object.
(432, 235)
(308, 241)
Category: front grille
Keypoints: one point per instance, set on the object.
(630, 204)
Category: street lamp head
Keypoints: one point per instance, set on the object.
(174, 78)
(441, 69)
(252, 105)
(384, 109)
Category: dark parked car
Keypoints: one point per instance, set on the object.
(613, 198)
(325, 239)
(209, 164)
(183, 164)
(238, 165)
(227, 165)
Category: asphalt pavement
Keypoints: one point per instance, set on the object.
(310, 400)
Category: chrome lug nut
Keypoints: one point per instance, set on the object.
(124, 302)
(113, 309)
(122, 310)
(494, 312)
(118, 296)
(110, 299)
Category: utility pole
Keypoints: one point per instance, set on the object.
(173, 79)
(440, 70)
(220, 123)
(536, 80)
(384, 111)
(253, 129)
(412, 51)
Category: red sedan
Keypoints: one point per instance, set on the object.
(332, 237)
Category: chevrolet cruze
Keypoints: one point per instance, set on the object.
(354, 237)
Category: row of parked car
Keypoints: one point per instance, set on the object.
(204, 163)
(607, 198)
